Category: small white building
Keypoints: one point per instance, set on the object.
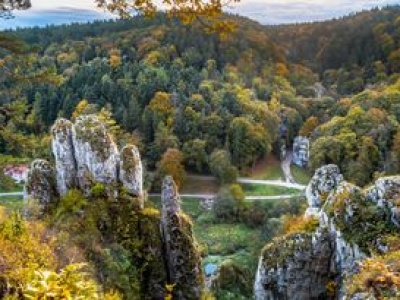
(18, 173)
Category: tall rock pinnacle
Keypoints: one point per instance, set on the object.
(183, 260)
(40, 184)
(131, 170)
(63, 151)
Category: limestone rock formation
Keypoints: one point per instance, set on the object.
(96, 154)
(352, 223)
(324, 180)
(297, 267)
(319, 89)
(41, 184)
(86, 154)
(301, 151)
(183, 261)
(131, 170)
(386, 194)
(63, 151)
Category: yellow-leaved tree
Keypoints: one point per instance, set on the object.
(207, 13)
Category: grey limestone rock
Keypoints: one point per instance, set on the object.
(183, 260)
(325, 179)
(96, 154)
(386, 194)
(297, 266)
(300, 266)
(301, 151)
(131, 170)
(63, 151)
(41, 184)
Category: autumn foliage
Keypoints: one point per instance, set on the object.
(299, 224)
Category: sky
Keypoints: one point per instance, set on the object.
(265, 11)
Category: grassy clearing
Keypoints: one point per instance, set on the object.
(217, 239)
(191, 206)
(269, 168)
(17, 188)
(268, 190)
(225, 239)
(301, 175)
(193, 185)
(12, 203)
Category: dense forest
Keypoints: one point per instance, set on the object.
(169, 86)
(348, 53)
(195, 103)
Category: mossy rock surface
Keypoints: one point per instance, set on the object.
(88, 129)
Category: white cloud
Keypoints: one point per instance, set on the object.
(289, 11)
(51, 4)
(265, 11)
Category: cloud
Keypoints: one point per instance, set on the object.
(56, 16)
(46, 12)
(292, 11)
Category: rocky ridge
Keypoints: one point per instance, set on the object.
(86, 156)
(352, 222)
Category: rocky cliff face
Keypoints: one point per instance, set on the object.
(41, 184)
(85, 155)
(63, 150)
(183, 261)
(321, 184)
(386, 194)
(301, 151)
(96, 154)
(352, 223)
(297, 266)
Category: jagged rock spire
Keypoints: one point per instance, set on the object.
(183, 260)
(131, 170)
(63, 151)
(170, 198)
(40, 184)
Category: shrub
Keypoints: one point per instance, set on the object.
(72, 202)
(232, 277)
(24, 248)
(98, 190)
(299, 224)
(71, 282)
(225, 206)
(379, 277)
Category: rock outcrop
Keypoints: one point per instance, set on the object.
(325, 179)
(301, 151)
(85, 155)
(41, 184)
(131, 170)
(183, 261)
(63, 151)
(297, 267)
(96, 154)
(352, 223)
(386, 194)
